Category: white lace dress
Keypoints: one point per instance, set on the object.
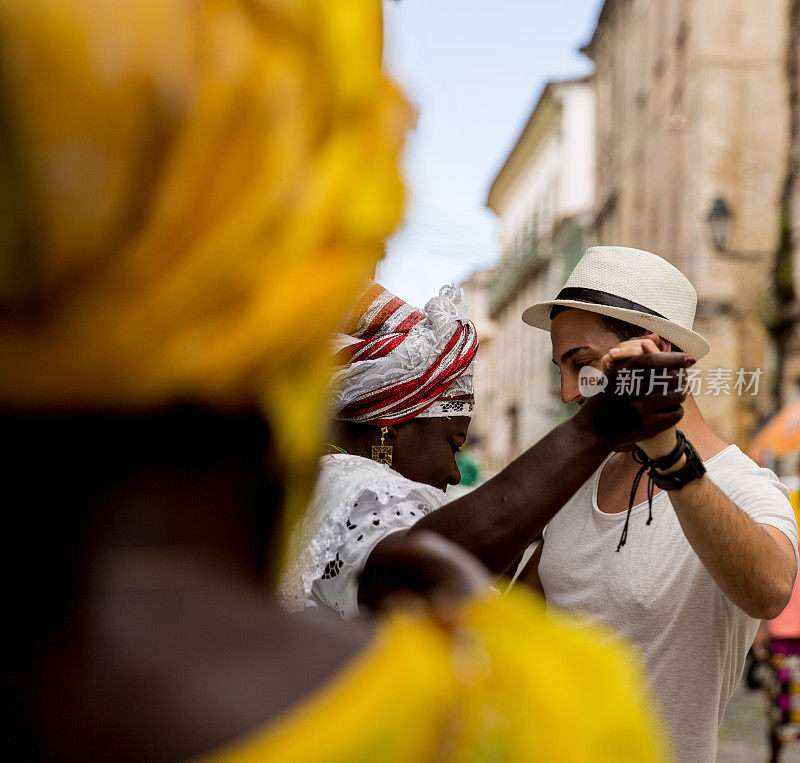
(356, 503)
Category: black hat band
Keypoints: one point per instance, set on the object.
(596, 297)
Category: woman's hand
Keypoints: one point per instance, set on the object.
(421, 570)
(662, 443)
(630, 349)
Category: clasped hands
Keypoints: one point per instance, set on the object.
(643, 414)
(663, 442)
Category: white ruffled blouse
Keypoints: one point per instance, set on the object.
(357, 502)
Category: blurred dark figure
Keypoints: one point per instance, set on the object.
(776, 668)
(160, 167)
(141, 630)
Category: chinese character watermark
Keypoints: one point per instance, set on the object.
(714, 382)
(591, 381)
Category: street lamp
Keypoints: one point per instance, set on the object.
(719, 221)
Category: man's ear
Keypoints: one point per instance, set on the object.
(663, 344)
(391, 431)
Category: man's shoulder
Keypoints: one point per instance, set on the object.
(727, 456)
(731, 461)
(741, 478)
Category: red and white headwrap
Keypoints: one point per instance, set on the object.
(394, 362)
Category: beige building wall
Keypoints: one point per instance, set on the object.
(792, 179)
(476, 292)
(523, 402)
(690, 106)
(542, 195)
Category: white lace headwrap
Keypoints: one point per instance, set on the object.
(398, 363)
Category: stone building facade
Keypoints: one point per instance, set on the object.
(790, 208)
(692, 107)
(543, 196)
(476, 292)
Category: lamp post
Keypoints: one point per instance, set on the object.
(720, 220)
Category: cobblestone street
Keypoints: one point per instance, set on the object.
(742, 738)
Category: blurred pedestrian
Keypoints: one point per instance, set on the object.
(777, 645)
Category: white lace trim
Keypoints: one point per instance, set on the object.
(448, 408)
(342, 483)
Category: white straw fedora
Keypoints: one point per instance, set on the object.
(634, 286)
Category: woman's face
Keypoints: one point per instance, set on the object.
(424, 450)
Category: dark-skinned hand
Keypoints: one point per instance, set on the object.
(627, 418)
(420, 571)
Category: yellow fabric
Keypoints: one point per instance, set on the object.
(512, 684)
(191, 194)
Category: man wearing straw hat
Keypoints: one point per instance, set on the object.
(681, 544)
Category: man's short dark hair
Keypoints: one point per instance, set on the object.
(619, 328)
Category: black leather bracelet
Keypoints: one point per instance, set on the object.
(693, 469)
(664, 462)
(672, 458)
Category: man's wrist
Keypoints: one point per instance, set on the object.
(660, 445)
(678, 468)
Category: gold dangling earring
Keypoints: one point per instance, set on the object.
(382, 453)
